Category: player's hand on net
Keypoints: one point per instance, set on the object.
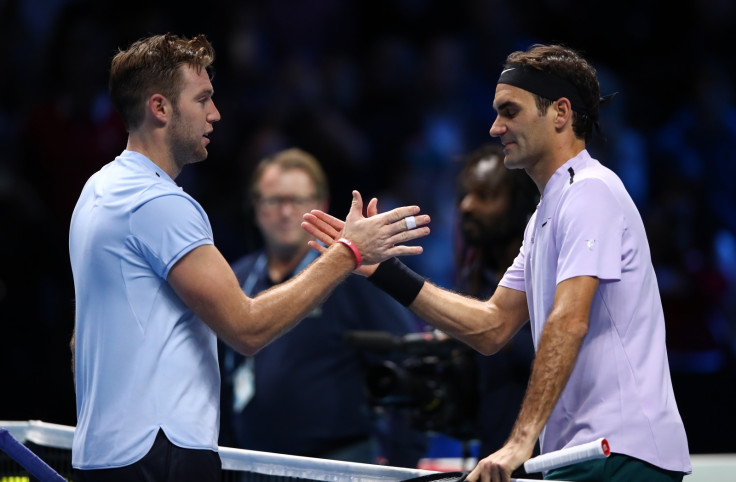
(498, 466)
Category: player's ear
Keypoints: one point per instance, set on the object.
(159, 108)
(563, 111)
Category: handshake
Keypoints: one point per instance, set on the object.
(372, 239)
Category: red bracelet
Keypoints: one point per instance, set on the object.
(354, 249)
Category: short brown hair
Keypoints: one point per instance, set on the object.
(151, 66)
(569, 65)
(288, 159)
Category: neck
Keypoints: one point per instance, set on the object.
(153, 146)
(541, 172)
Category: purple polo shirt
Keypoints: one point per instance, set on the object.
(587, 225)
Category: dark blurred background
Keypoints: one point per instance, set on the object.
(388, 94)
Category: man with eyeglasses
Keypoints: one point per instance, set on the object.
(303, 393)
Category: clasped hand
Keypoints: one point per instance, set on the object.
(378, 236)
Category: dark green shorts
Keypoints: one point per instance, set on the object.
(614, 468)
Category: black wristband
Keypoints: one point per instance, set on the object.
(398, 280)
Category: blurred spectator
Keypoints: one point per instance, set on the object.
(493, 206)
(303, 393)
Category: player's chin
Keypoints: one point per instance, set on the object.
(291, 238)
(513, 162)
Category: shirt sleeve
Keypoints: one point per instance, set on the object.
(514, 276)
(589, 232)
(166, 228)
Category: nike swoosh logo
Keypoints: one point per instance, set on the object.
(507, 70)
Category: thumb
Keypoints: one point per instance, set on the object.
(372, 208)
(356, 207)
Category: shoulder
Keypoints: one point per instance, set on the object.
(590, 187)
(593, 203)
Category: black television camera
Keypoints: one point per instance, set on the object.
(434, 378)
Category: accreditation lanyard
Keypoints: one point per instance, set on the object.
(244, 386)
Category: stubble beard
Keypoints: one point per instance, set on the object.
(184, 147)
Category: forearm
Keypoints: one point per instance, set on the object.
(556, 357)
(485, 326)
(278, 309)
(207, 285)
(479, 324)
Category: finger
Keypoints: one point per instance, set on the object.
(396, 214)
(409, 223)
(356, 206)
(318, 233)
(493, 475)
(316, 246)
(497, 474)
(337, 224)
(403, 250)
(372, 208)
(331, 229)
(473, 475)
(482, 469)
(505, 476)
(402, 225)
(402, 237)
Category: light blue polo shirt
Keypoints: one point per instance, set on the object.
(587, 225)
(144, 361)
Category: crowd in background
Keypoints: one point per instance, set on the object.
(387, 94)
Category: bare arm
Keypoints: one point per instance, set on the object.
(559, 346)
(205, 282)
(484, 325)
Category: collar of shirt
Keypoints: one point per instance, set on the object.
(145, 163)
(563, 175)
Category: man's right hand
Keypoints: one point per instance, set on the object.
(498, 466)
(377, 236)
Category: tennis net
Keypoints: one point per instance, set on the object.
(52, 443)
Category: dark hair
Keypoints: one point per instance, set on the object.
(472, 260)
(522, 191)
(569, 65)
(151, 66)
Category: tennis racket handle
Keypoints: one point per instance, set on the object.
(597, 449)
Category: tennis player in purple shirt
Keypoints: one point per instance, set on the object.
(584, 280)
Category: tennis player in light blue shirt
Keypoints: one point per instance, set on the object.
(153, 292)
(132, 223)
